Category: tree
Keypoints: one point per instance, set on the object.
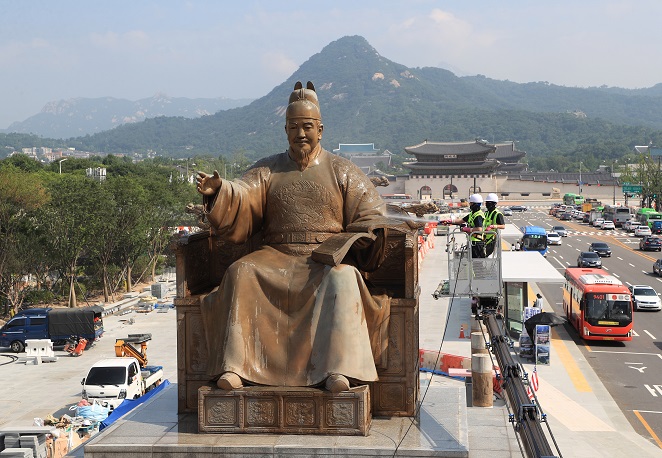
(21, 194)
(73, 218)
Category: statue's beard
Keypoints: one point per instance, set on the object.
(303, 156)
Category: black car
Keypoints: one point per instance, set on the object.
(650, 243)
(657, 267)
(589, 259)
(601, 248)
(518, 208)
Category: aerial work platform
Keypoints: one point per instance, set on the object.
(469, 276)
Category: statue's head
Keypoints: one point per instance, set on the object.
(303, 124)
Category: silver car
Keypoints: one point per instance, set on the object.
(645, 298)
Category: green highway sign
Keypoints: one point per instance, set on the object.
(631, 188)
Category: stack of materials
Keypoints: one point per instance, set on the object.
(24, 442)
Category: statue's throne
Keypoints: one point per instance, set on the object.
(202, 259)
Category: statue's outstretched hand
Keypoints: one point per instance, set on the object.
(208, 185)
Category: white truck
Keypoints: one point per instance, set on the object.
(111, 381)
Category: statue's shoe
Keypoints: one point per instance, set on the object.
(229, 381)
(336, 383)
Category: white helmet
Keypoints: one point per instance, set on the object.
(491, 197)
(475, 199)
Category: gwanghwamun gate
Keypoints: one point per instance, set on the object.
(454, 170)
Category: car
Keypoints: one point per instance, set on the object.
(657, 267)
(650, 243)
(642, 230)
(645, 297)
(589, 259)
(566, 216)
(607, 225)
(586, 218)
(562, 231)
(518, 208)
(601, 248)
(598, 222)
(630, 225)
(553, 238)
(507, 211)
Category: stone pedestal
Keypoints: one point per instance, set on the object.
(155, 430)
(284, 411)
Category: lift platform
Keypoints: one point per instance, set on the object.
(469, 276)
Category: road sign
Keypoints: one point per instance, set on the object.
(631, 188)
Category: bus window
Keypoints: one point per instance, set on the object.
(599, 307)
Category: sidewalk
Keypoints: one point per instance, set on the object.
(584, 419)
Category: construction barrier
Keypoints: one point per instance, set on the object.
(442, 363)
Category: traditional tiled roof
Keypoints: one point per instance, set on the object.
(444, 148)
(588, 178)
(506, 152)
(355, 148)
(445, 168)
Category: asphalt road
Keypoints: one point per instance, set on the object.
(631, 371)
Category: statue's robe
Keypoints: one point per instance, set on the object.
(279, 318)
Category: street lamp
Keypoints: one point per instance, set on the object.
(580, 177)
(61, 161)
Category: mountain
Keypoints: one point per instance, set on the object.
(83, 116)
(367, 98)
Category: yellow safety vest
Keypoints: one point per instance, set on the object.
(490, 220)
(475, 236)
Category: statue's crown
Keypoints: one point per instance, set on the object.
(306, 97)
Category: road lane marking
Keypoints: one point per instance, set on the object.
(640, 369)
(632, 265)
(648, 428)
(654, 390)
(578, 379)
(628, 353)
(650, 335)
(634, 333)
(619, 258)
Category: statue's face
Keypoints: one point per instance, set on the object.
(303, 131)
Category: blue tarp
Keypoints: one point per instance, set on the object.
(130, 404)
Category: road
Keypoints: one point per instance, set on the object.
(631, 371)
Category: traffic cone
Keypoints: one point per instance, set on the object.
(462, 332)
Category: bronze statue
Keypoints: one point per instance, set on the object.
(280, 317)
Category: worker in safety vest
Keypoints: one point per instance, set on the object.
(473, 224)
(493, 221)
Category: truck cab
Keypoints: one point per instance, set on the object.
(32, 324)
(111, 381)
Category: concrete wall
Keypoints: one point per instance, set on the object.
(515, 188)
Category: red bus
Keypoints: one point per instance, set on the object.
(597, 304)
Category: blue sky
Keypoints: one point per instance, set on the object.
(53, 50)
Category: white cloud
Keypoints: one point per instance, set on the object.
(276, 62)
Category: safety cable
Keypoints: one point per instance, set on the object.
(417, 366)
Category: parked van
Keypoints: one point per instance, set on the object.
(58, 325)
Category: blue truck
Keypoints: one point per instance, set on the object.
(56, 324)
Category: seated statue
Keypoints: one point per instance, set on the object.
(284, 314)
